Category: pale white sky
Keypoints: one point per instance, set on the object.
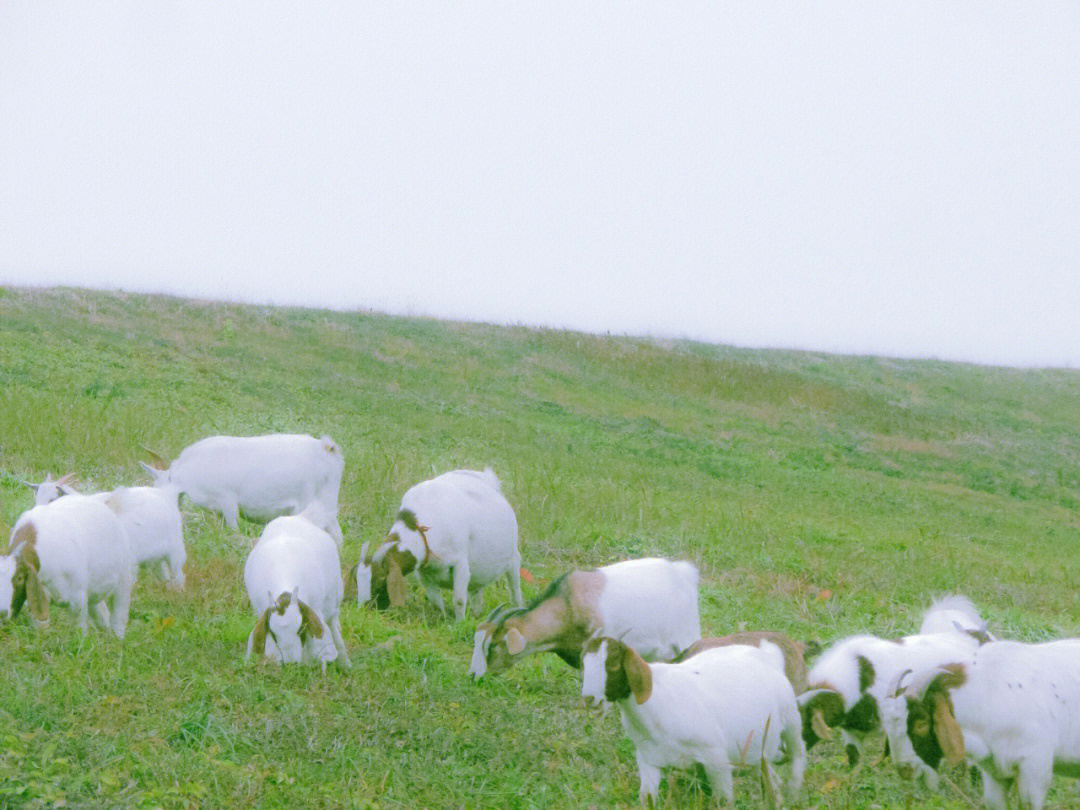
(895, 178)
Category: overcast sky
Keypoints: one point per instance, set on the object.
(899, 178)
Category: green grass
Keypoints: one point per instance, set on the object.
(819, 495)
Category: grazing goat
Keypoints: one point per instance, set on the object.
(792, 650)
(261, 476)
(456, 530)
(293, 580)
(724, 708)
(1011, 709)
(73, 550)
(651, 604)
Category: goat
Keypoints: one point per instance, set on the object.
(725, 707)
(456, 530)
(293, 580)
(48, 490)
(261, 476)
(651, 604)
(73, 550)
(1012, 709)
(792, 650)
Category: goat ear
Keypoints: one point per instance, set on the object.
(395, 584)
(157, 461)
(638, 675)
(152, 470)
(515, 642)
(949, 735)
(310, 624)
(18, 588)
(258, 635)
(818, 724)
(350, 584)
(36, 596)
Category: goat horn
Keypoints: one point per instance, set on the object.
(495, 612)
(159, 462)
(894, 688)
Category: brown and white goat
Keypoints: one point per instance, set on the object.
(651, 604)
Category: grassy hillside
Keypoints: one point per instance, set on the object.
(819, 495)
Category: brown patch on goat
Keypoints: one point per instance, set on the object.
(866, 673)
(262, 627)
(794, 659)
(937, 700)
(388, 587)
(26, 584)
(282, 604)
(350, 584)
(27, 533)
(408, 517)
(561, 620)
(625, 672)
(310, 625)
(399, 563)
(547, 622)
(583, 599)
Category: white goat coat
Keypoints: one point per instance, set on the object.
(293, 555)
(154, 526)
(715, 709)
(85, 557)
(261, 476)
(1019, 711)
(472, 533)
(651, 605)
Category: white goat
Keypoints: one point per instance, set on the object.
(293, 579)
(651, 604)
(75, 551)
(725, 707)
(852, 681)
(1011, 709)
(48, 490)
(456, 530)
(261, 476)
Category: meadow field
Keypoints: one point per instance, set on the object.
(819, 495)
